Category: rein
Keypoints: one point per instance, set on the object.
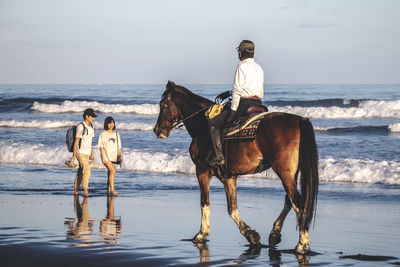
(180, 122)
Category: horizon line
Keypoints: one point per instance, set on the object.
(100, 84)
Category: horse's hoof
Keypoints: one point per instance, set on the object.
(253, 251)
(302, 249)
(274, 238)
(199, 238)
(253, 237)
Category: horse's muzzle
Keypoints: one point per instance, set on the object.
(160, 132)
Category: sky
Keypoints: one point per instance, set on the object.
(193, 42)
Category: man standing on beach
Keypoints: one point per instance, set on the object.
(83, 149)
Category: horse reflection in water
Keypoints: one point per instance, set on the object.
(253, 252)
(283, 141)
(80, 229)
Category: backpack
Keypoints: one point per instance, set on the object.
(71, 136)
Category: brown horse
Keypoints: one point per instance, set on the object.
(283, 141)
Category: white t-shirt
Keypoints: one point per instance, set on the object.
(109, 142)
(86, 138)
(249, 81)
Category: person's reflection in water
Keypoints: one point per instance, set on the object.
(110, 227)
(80, 228)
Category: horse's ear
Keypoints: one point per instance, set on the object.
(170, 85)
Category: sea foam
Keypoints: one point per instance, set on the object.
(40, 124)
(360, 171)
(80, 106)
(331, 170)
(366, 109)
(395, 127)
(47, 124)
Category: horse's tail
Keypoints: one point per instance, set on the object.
(308, 166)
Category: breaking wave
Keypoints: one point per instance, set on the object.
(80, 106)
(366, 109)
(331, 170)
(354, 109)
(47, 124)
(395, 127)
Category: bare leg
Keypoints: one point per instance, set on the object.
(230, 189)
(275, 235)
(111, 178)
(204, 178)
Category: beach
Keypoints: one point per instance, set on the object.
(354, 222)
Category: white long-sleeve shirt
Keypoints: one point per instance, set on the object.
(249, 81)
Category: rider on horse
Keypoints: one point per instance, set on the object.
(247, 91)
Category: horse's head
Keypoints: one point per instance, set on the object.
(170, 115)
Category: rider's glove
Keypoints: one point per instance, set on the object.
(229, 118)
(223, 95)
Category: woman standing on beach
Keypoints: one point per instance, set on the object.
(110, 151)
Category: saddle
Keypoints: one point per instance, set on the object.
(245, 128)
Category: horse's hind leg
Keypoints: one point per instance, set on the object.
(230, 189)
(289, 182)
(275, 235)
(204, 179)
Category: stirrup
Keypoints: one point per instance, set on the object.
(215, 162)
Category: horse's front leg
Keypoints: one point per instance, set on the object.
(230, 189)
(204, 177)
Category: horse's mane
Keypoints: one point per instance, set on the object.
(199, 100)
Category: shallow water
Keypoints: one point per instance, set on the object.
(155, 212)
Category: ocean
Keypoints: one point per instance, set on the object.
(357, 126)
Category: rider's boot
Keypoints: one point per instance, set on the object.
(218, 160)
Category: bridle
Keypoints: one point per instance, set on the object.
(177, 122)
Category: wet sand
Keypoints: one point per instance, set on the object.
(357, 227)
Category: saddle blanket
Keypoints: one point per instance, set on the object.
(245, 130)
